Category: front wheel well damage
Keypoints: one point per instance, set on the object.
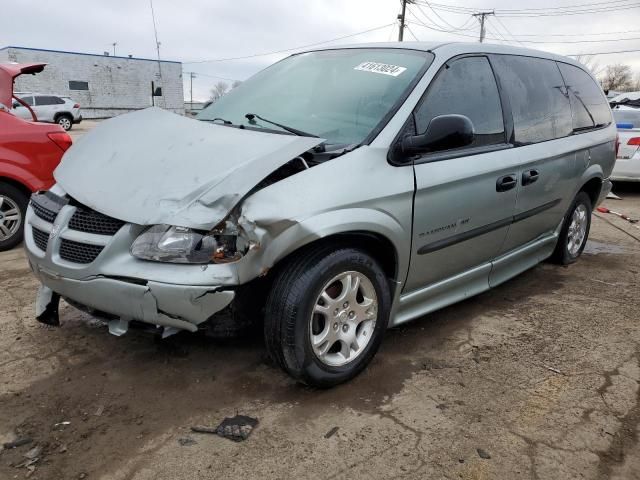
(251, 297)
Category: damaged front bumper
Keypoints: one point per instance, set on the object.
(115, 285)
(173, 307)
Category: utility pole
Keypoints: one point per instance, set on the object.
(481, 17)
(401, 19)
(114, 48)
(191, 77)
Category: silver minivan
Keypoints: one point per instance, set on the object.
(335, 194)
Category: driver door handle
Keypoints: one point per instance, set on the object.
(506, 182)
(530, 177)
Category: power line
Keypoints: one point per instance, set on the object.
(214, 76)
(588, 6)
(599, 53)
(453, 32)
(285, 50)
(535, 42)
(412, 34)
(507, 30)
(571, 34)
(439, 16)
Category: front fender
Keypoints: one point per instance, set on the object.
(301, 233)
(24, 177)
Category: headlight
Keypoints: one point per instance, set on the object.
(166, 243)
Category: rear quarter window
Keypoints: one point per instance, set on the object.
(537, 95)
(588, 103)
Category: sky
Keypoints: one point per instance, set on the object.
(198, 31)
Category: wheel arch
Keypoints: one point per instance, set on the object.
(57, 116)
(376, 232)
(17, 184)
(592, 188)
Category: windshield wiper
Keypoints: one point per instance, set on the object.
(252, 116)
(217, 119)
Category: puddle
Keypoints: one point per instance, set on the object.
(594, 248)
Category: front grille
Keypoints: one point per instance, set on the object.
(77, 252)
(47, 205)
(40, 238)
(90, 221)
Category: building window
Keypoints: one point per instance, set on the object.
(76, 85)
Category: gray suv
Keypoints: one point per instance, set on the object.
(335, 194)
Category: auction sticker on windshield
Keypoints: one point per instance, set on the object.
(383, 68)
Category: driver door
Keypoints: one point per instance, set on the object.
(465, 198)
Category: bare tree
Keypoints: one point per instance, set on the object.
(616, 77)
(218, 90)
(236, 83)
(635, 86)
(590, 62)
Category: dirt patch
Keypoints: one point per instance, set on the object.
(538, 374)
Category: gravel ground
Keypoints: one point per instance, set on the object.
(538, 378)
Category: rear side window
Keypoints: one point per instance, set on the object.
(27, 100)
(588, 103)
(467, 87)
(49, 100)
(537, 96)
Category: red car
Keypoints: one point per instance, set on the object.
(29, 152)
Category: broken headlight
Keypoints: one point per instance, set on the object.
(167, 243)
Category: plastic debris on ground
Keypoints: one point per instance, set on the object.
(236, 428)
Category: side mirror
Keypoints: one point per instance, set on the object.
(444, 132)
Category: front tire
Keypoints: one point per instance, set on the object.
(575, 231)
(13, 207)
(326, 314)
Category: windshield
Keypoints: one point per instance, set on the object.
(340, 95)
(631, 118)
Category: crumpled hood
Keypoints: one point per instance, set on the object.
(153, 166)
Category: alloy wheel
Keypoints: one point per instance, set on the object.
(577, 229)
(10, 218)
(343, 318)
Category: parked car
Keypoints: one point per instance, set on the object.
(49, 108)
(29, 152)
(626, 98)
(627, 167)
(339, 192)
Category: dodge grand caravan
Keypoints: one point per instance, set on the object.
(338, 192)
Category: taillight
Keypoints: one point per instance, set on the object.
(76, 105)
(61, 139)
(634, 141)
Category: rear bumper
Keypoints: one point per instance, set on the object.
(627, 169)
(77, 120)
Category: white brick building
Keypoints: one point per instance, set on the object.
(103, 85)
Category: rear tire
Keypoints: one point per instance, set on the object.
(574, 232)
(327, 348)
(65, 121)
(13, 207)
